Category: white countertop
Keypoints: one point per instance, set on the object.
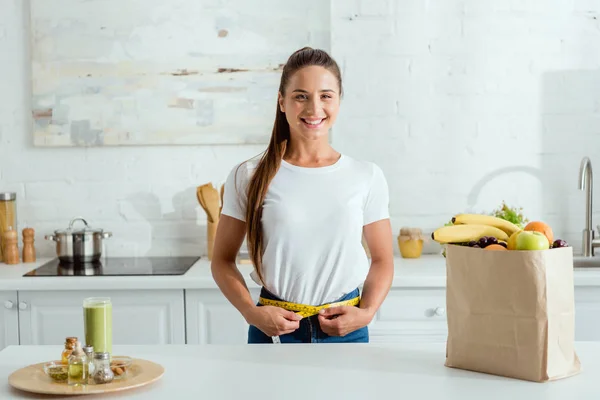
(427, 271)
(320, 371)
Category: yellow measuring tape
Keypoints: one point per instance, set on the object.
(306, 310)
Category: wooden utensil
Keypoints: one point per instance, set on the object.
(210, 196)
(201, 199)
(222, 193)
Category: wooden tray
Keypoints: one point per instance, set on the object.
(34, 379)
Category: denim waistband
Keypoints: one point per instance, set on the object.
(268, 295)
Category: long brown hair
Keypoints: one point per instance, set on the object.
(271, 159)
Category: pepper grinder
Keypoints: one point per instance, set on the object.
(28, 247)
(11, 249)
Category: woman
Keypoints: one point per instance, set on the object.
(304, 209)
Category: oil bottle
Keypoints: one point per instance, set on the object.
(77, 371)
(69, 347)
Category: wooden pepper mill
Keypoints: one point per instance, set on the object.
(11, 248)
(28, 247)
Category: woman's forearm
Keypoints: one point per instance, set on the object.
(377, 285)
(234, 288)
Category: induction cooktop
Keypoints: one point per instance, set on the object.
(118, 266)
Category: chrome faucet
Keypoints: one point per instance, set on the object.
(586, 183)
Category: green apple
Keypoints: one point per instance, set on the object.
(532, 240)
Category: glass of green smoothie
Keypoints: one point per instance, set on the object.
(97, 320)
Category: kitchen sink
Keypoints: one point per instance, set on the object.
(586, 262)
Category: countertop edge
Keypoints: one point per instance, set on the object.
(426, 272)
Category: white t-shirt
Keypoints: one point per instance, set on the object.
(312, 225)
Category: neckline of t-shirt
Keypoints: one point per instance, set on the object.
(315, 170)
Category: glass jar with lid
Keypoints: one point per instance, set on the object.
(70, 343)
(102, 371)
(410, 242)
(89, 353)
(8, 216)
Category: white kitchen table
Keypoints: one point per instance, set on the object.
(335, 371)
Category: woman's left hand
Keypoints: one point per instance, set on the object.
(339, 321)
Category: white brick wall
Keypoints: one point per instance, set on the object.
(462, 103)
(468, 103)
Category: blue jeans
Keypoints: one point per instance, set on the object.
(309, 330)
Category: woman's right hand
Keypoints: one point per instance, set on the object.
(274, 321)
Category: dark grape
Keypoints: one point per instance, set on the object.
(483, 241)
(472, 243)
(559, 243)
(476, 246)
(492, 240)
(503, 244)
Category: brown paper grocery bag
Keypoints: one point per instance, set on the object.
(511, 313)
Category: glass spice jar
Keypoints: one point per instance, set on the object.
(68, 350)
(102, 371)
(8, 216)
(410, 242)
(89, 353)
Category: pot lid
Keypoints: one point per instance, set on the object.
(80, 231)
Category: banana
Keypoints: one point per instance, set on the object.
(467, 232)
(479, 219)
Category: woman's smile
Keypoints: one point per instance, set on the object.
(313, 123)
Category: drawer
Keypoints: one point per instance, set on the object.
(409, 314)
(409, 304)
(587, 309)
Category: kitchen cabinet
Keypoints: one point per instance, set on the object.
(411, 315)
(587, 313)
(204, 316)
(407, 315)
(419, 315)
(9, 322)
(211, 319)
(139, 316)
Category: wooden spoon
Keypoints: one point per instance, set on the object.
(201, 199)
(210, 196)
(222, 192)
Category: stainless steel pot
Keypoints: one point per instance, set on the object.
(78, 246)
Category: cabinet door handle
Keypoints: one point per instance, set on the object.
(9, 305)
(439, 311)
(22, 306)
